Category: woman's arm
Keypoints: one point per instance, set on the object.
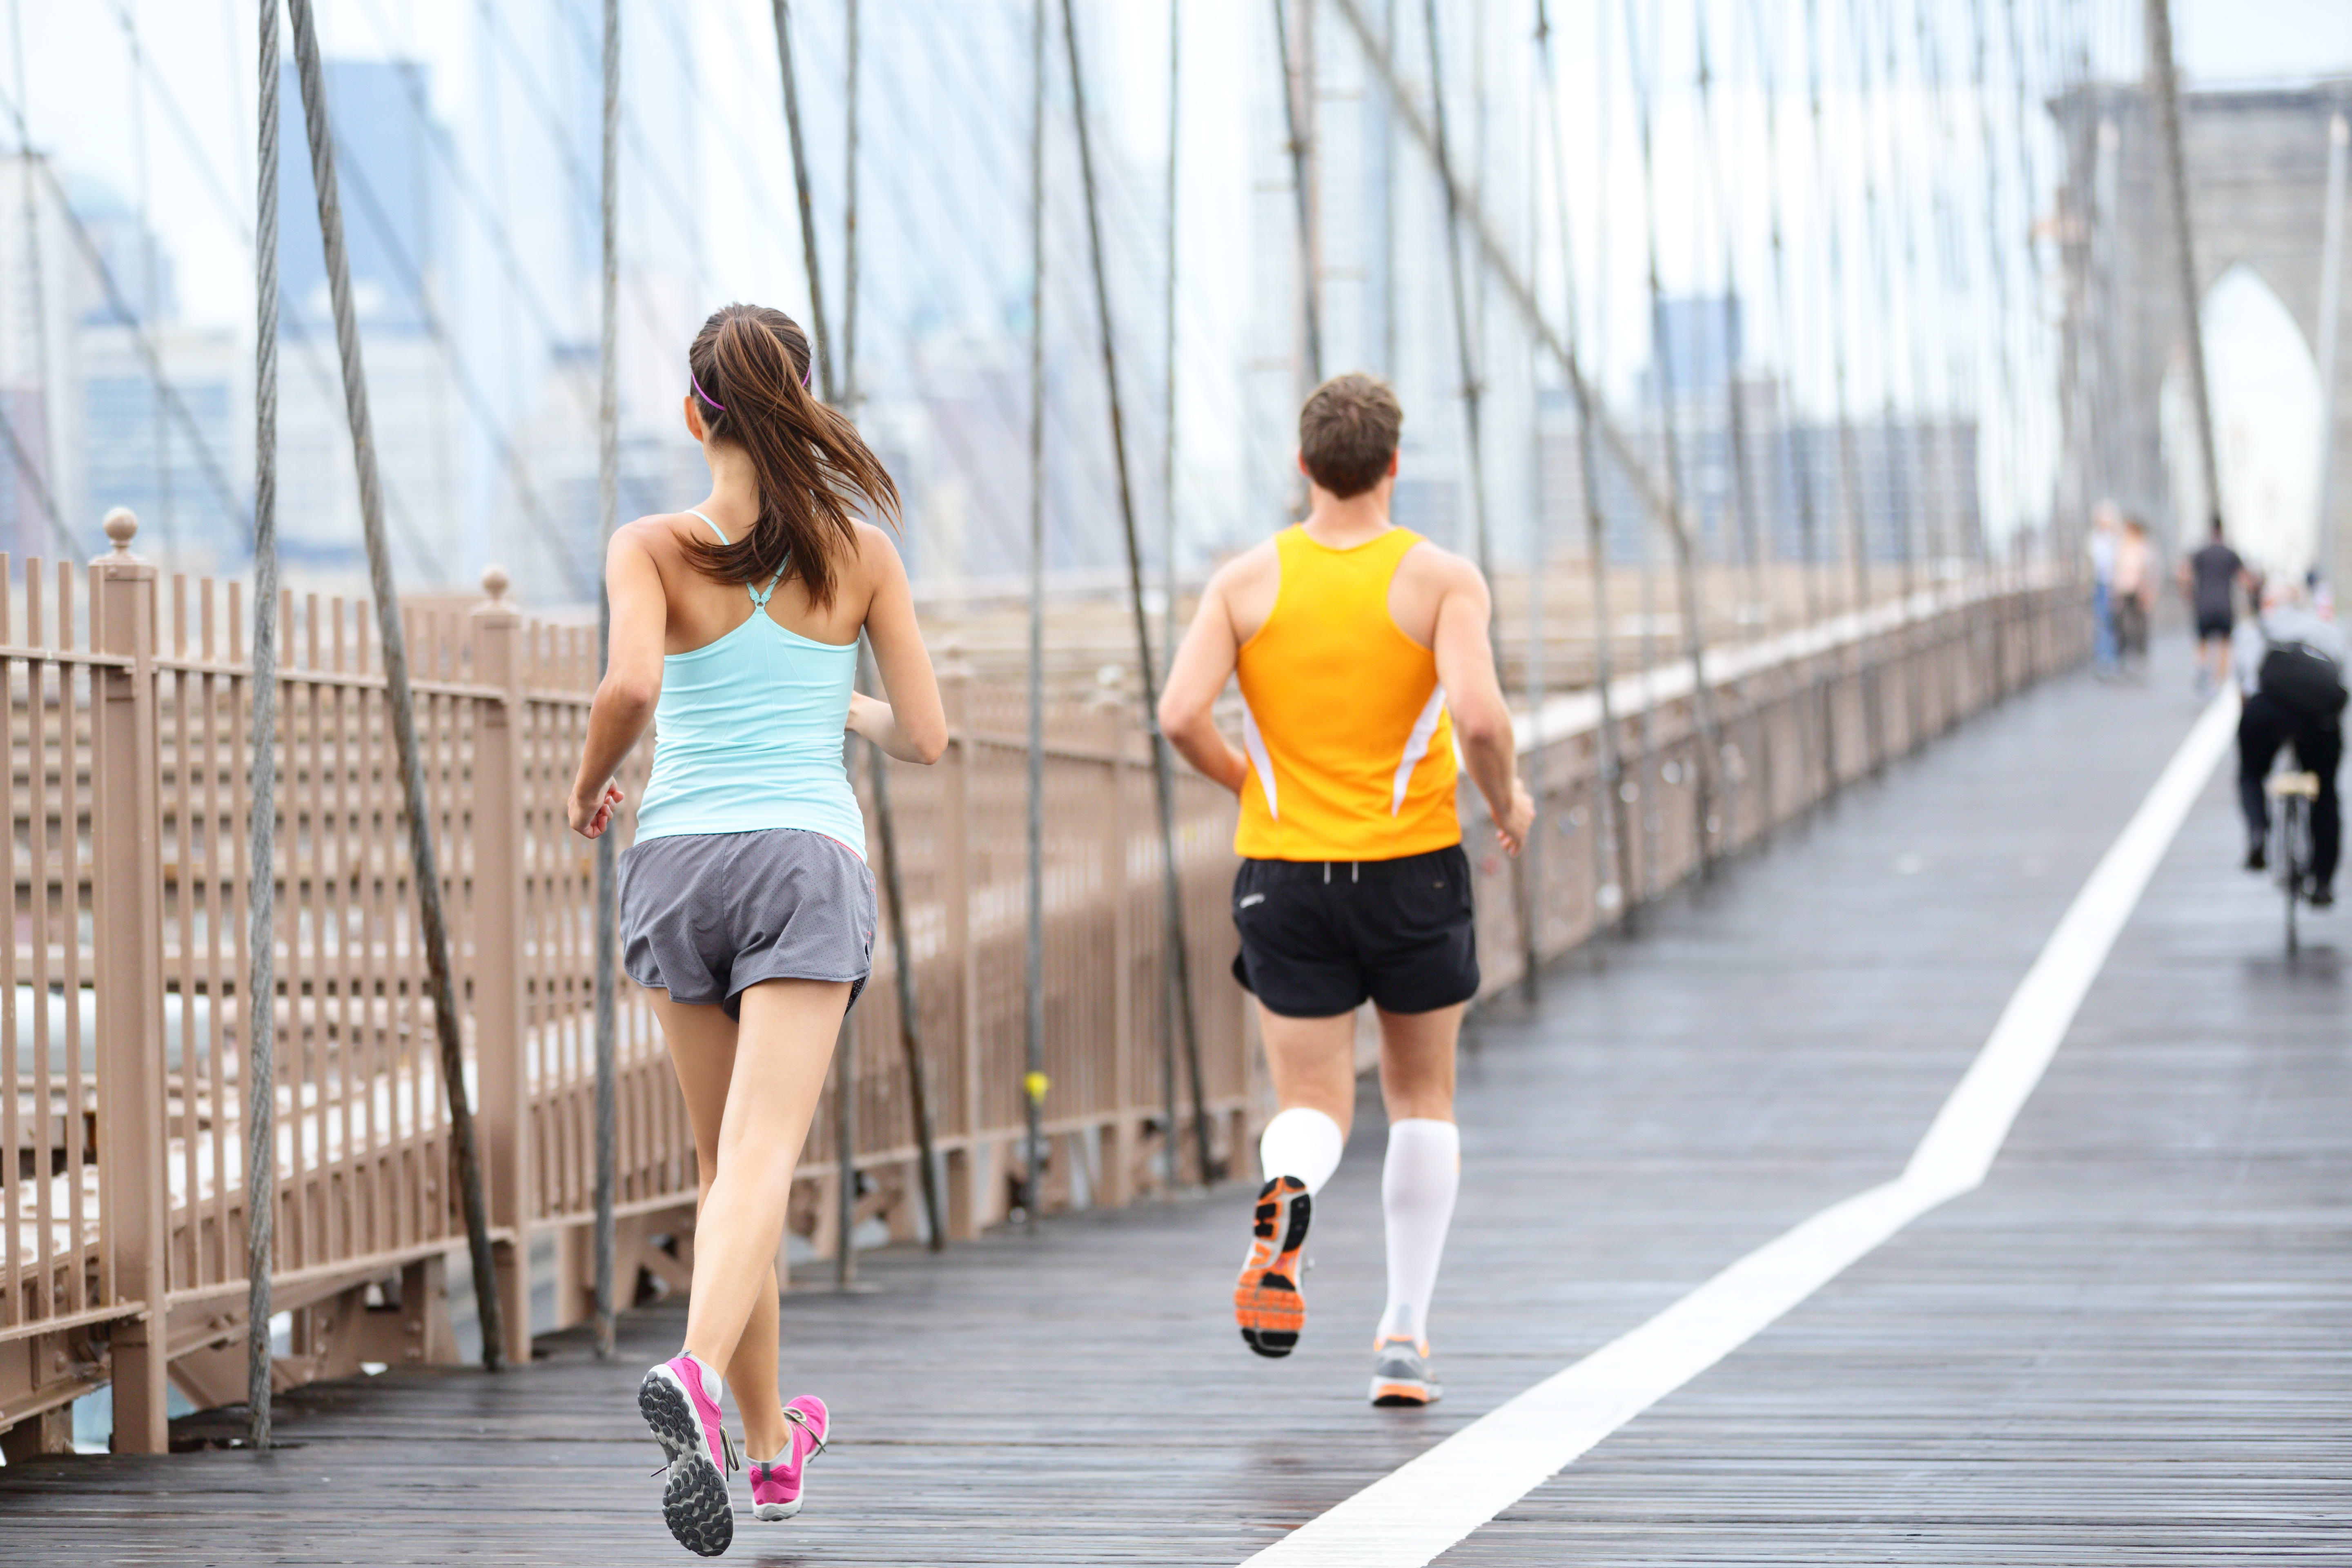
(912, 725)
(632, 684)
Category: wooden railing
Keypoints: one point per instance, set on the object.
(121, 1074)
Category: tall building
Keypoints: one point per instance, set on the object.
(395, 206)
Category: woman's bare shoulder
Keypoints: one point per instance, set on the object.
(875, 554)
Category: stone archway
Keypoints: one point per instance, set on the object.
(2257, 166)
(2267, 416)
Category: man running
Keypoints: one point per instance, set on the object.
(1352, 638)
(2291, 666)
(2210, 578)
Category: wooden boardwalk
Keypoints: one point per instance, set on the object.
(2133, 1344)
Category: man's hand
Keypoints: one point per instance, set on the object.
(591, 816)
(1517, 820)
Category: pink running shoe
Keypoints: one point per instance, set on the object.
(680, 1400)
(776, 1486)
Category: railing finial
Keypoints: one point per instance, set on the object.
(494, 582)
(122, 526)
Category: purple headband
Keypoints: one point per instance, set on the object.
(714, 402)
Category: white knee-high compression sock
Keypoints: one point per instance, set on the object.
(1303, 1144)
(1417, 1186)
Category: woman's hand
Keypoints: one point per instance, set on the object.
(591, 816)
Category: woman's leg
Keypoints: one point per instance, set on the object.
(702, 1053)
(781, 1048)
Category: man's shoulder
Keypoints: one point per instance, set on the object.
(1252, 566)
(1431, 563)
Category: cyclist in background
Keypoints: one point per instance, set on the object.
(2291, 667)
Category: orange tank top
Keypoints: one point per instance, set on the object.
(1350, 751)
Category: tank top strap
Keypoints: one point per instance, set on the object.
(759, 596)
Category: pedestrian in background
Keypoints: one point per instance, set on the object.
(2133, 596)
(2104, 529)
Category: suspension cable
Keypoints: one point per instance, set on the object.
(1033, 1018)
(1298, 117)
(1465, 335)
(1744, 499)
(608, 492)
(1689, 566)
(392, 638)
(1610, 824)
(260, 997)
(1179, 969)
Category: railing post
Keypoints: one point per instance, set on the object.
(500, 848)
(965, 1194)
(127, 913)
(1110, 710)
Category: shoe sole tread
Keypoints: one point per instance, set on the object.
(695, 1504)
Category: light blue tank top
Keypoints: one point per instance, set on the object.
(749, 735)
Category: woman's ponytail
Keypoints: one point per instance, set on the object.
(750, 367)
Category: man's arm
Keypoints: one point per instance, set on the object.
(1482, 720)
(1205, 662)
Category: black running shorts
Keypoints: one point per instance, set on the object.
(2212, 623)
(1319, 937)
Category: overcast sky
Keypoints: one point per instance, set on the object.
(192, 168)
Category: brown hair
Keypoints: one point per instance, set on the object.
(1348, 432)
(749, 365)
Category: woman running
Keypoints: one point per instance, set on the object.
(746, 907)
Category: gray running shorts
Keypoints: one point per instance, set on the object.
(704, 915)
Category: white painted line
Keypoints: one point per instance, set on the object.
(1409, 1516)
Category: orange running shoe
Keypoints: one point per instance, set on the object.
(1266, 1300)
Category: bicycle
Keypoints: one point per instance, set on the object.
(2292, 790)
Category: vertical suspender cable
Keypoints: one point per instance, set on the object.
(1735, 416)
(608, 489)
(1639, 870)
(39, 313)
(261, 938)
(1610, 828)
(2331, 306)
(851, 397)
(1388, 367)
(1795, 456)
(845, 1151)
(782, 10)
(1179, 974)
(886, 818)
(1033, 1033)
(1465, 335)
(1849, 469)
(150, 269)
(1168, 1146)
(1688, 564)
(2027, 174)
(1796, 452)
(1296, 59)
(1531, 852)
(844, 388)
(1898, 487)
(1997, 263)
(424, 865)
(886, 821)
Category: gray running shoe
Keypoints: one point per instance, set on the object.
(1401, 1373)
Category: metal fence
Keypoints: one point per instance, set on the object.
(123, 1078)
